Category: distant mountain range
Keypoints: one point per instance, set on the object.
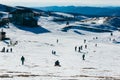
(88, 11)
(99, 19)
(91, 11)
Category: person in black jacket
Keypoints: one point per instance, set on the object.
(23, 60)
(83, 57)
(57, 63)
(75, 48)
(10, 49)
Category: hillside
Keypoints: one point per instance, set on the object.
(6, 8)
(101, 49)
(100, 63)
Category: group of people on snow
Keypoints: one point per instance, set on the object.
(77, 49)
(57, 63)
(7, 50)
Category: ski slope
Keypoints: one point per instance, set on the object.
(101, 62)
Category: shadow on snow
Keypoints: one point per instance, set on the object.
(36, 30)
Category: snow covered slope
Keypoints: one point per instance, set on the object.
(101, 61)
(95, 24)
(102, 56)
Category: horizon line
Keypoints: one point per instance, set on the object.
(64, 5)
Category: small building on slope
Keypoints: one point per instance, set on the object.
(23, 17)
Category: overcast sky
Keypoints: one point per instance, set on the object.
(61, 2)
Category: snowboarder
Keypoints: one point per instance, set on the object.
(22, 59)
(75, 48)
(57, 63)
(83, 57)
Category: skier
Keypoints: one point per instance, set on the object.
(85, 46)
(3, 49)
(22, 59)
(67, 23)
(10, 49)
(7, 50)
(109, 39)
(75, 48)
(114, 40)
(111, 34)
(83, 57)
(95, 45)
(57, 41)
(79, 49)
(84, 40)
(57, 63)
(10, 42)
(52, 51)
(16, 42)
(96, 37)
